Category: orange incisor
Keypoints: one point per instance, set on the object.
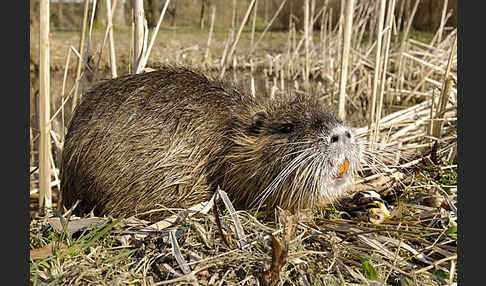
(343, 168)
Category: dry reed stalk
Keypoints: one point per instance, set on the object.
(400, 14)
(81, 58)
(238, 34)
(422, 45)
(282, 79)
(225, 52)
(339, 28)
(364, 89)
(408, 129)
(54, 169)
(109, 18)
(322, 28)
(45, 197)
(213, 13)
(424, 63)
(268, 26)
(409, 115)
(289, 47)
(442, 22)
(372, 23)
(311, 16)
(436, 125)
(312, 19)
(418, 85)
(31, 145)
(432, 57)
(139, 17)
(381, 19)
(391, 8)
(323, 34)
(394, 25)
(452, 270)
(302, 40)
(146, 53)
(86, 55)
(233, 68)
(276, 59)
(429, 51)
(294, 45)
(399, 79)
(361, 25)
(437, 83)
(81, 47)
(254, 23)
(35, 191)
(270, 65)
(233, 15)
(95, 74)
(91, 21)
(132, 41)
(433, 109)
(328, 39)
(145, 39)
(448, 39)
(348, 26)
(410, 92)
(66, 67)
(60, 109)
(252, 88)
(306, 44)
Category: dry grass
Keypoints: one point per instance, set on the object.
(416, 246)
(415, 172)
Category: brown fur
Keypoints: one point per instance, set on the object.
(168, 138)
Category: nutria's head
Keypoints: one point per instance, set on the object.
(290, 152)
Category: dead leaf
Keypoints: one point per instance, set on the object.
(280, 249)
(76, 225)
(46, 251)
(377, 216)
(220, 227)
(279, 258)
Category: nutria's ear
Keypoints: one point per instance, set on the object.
(258, 121)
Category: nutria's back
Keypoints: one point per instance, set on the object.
(166, 139)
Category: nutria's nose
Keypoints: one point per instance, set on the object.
(341, 136)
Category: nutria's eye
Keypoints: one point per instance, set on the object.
(286, 128)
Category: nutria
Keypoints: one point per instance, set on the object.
(168, 138)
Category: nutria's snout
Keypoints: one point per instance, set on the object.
(337, 139)
(343, 155)
(340, 135)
